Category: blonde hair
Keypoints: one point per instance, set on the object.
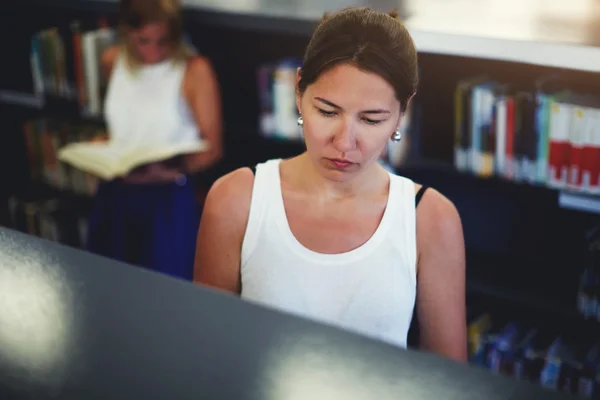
(135, 14)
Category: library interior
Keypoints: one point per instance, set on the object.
(121, 164)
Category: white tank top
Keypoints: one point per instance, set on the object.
(369, 290)
(147, 108)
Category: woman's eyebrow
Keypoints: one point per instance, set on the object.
(375, 111)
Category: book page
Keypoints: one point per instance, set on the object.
(108, 161)
(100, 159)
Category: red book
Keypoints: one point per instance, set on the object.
(560, 144)
(79, 71)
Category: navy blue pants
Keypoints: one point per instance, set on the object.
(152, 226)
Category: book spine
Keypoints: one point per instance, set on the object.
(558, 158)
(586, 166)
(542, 128)
(36, 66)
(595, 155)
(90, 62)
(576, 137)
(510, 138)
(475, 149)
(78, 65)
(501, 125)
(488, 129)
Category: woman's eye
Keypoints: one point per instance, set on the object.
(327, 113)
(372, 121)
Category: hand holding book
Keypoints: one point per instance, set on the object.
(154, 173)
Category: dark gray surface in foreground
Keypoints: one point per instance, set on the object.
(76, 326)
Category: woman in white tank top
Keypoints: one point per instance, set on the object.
(159, 92)
(330, 235)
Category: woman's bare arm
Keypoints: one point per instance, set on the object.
(222, 229)
(109, 57)
(441, 277)
(203, 94)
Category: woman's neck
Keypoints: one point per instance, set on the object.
(138, 61)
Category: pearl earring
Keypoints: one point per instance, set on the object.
(397, 136)
(300, 121)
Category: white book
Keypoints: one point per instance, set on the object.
(108, 160)
(90, 62)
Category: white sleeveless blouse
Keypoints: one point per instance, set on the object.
(147, 108)
(370, 290)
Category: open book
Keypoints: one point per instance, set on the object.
(108, 161)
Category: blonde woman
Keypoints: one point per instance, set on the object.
(159, 90)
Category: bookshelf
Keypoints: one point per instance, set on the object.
(524, 242)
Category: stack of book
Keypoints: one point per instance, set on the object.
(548, 136)
(528, 353)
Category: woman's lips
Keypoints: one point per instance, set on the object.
(339, 163)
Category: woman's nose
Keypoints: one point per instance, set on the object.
(344, 139)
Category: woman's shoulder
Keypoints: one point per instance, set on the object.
(438, 219)
(230, 196)
(110, 56)
(432, 204)
(199, 73)
(435, 204)
(198, 66)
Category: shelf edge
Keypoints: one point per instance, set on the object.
(579, 202)
(22, 99)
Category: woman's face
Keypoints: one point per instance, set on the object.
(151, 42)
(349, 115)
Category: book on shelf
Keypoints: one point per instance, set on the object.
(67, 63)
(49, 217)
(277, 99)
(44, 137)
(588, 296)
(463, 121)
(547, 136)
(109, 160)
(531, 353)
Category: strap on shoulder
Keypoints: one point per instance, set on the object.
(420, 194)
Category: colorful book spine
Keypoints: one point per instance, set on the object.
(548, 137)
